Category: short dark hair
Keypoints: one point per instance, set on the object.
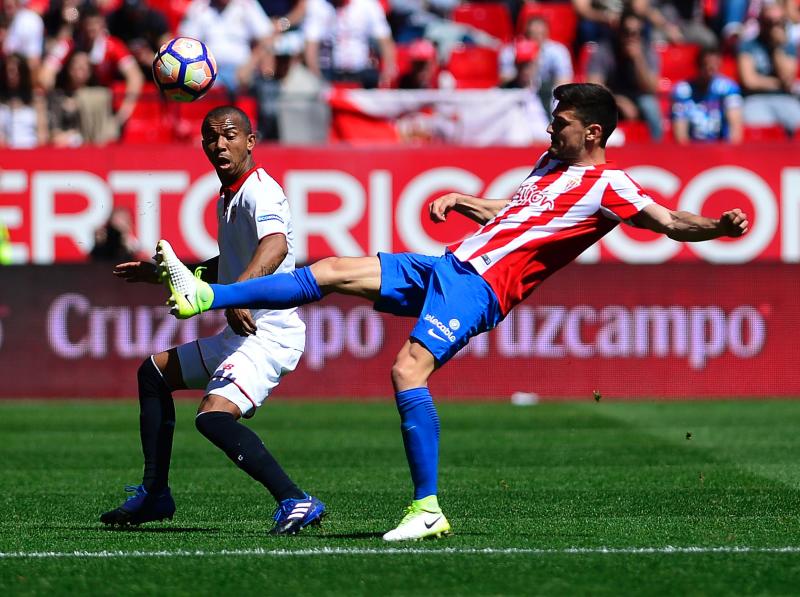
(228, 110)
(713, 50)
(593, 104)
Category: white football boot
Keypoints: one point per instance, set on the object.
(423, 520)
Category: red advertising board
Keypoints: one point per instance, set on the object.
(676, 331)
(356, 201)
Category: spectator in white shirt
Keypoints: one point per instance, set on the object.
(238, 33)
(25, 34)
(555, 62)
(338, 34)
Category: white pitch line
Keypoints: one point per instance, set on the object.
(356, 551)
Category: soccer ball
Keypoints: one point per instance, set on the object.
(184, 69)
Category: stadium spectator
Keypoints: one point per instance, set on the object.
(338, 35)
(708, 108)
(628, 66)
(554, 62)
(79, 111)
(768, 73)
(600, 19)
(239, 34)
(109, 58)
(143, 29)
(62, 17)
(25, 33)
(569, 201)
(115, 240)
(681, 21)
(422, 72)
(240, 366)
(526, 65)
(409, 19)
(23, 119)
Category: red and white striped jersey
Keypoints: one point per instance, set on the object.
(557, 213)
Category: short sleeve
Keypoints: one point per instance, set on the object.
(623, 198)
(732, 95)
(270, 206)
(378, 25)
(117, 52)
(681, 100)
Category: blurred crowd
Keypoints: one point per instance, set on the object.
(76, 72)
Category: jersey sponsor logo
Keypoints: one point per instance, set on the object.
(269, 217)
(531, 194)
(441, 327)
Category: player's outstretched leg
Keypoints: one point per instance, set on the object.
(296, 509)
(190, 296)
(151, 501)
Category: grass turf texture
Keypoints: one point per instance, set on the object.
(550, 477)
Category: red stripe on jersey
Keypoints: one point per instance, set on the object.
(524, 269)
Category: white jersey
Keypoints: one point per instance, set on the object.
(252, 208)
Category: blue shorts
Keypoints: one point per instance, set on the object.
(451, 301)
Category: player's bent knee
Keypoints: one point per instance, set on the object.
(216, 403)
(150, 377)
(406, 373)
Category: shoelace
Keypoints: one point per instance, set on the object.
(410, 511)
(283, 509)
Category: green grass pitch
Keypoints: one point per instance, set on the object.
(669, 498)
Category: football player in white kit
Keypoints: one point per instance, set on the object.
(240, 366)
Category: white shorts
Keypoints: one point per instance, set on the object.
(241, 369)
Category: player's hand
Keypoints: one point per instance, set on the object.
(734, 223)
(137, 271)
(241, 321)
(439, 208)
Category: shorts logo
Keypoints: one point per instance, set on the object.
(269, 217)
(441, 327)
(454, 324)
(227, 367)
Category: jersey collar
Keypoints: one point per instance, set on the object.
(231, 190)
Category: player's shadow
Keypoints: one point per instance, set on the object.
(350, 535)
(131, 529)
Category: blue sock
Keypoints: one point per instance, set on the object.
(276, 291)
(420, 425)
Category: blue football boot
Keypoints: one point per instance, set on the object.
(141, 507)
(292, 515)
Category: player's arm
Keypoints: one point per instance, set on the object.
(134, 80)
(685, 226)
(735, 126)
(269, 254)
(475, 208)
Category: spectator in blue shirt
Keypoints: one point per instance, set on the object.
(709, 108)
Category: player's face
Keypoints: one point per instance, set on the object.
(567, 135)
(228, 147)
